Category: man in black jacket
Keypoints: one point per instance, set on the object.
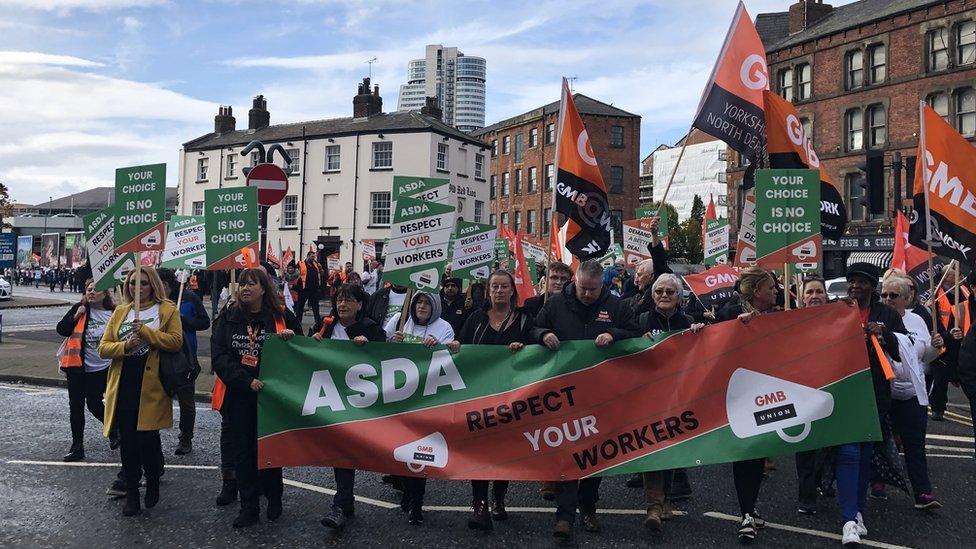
(558, 275)
(385, 303)
(585, 310)
(453, 307)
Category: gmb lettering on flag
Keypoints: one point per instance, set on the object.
(713, 286)
(581, 411)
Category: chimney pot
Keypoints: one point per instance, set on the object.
(258, 117)
(367, 103)
(807, 13)
(224, 121)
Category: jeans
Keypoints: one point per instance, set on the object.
(909, 420)
(747, 476)
(853, 477)
(141, 451)
(577, 494)
(85, 388)
(188, 412)
(345, 481)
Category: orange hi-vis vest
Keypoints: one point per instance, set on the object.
(194, 283)
(71, 358)
(219, 389)
(946, 310)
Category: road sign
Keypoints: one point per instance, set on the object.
(788, 218)
(140, 197)
(418, 244)
(271, 182)
(231, 224)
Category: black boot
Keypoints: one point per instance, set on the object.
(76, 453)
(185, 447)
(113, 439)
(152, 492)
(274, 507)
(131, 507)
(247, 517)
(481, 519)
(498, 512)
(228, 492)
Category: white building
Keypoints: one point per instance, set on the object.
(455, 79)
(701, 172)
(340, 180)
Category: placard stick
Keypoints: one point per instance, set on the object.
(934, 309)
(179, 297)
(405, 310)
(786, 286)
(955, 296)
(137, 291)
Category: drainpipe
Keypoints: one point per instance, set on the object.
(355, 201)
(301, 223)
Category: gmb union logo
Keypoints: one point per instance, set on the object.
(584, 149)
(753, 73)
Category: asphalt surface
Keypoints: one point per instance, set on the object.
(50, 504)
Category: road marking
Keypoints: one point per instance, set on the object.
(809, 532)
(952, 438)
(965, 420)
(331, 492)
(97, 464)
(948, 456)
(949, 448)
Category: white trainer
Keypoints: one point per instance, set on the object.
(862, 530)
(851, 537)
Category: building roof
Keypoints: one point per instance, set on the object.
(584, 105)
(773, 27)
(95, 199)
(391, 122)
(850, 16)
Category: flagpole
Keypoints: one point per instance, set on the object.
(955, 296)
(928, 213)
(553, 232)
(674, 171)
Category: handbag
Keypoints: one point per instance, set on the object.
(178, 369)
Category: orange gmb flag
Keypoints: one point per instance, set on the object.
(580, 192)
(945, 183)
(523, 280)
(790, 147)
(731, 106)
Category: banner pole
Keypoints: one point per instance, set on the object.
(138, 289)
(786, 286)
(179, 297)
(928, 214)
(955, 296)
(934, 310)
(674, 171)
(405, 310)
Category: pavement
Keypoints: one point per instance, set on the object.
(29, 297)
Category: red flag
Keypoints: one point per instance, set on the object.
(709, 215)
(714, 286)
(905, 256)
(580, 192)
(287, 257)
(523, 280)
(731, 107)
(271, 257)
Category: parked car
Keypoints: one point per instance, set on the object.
(836, 288)
(4, 288)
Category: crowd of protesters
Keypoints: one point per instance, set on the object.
(53, 278)
(110, 352)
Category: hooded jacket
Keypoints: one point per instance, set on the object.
(571, 320)
(436, 326)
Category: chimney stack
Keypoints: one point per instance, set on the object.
(807, 13)
(367, 103)
(224, 121)
(431, 108)
(258, 117)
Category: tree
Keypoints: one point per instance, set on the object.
(6, 208)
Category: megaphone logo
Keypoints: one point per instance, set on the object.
(758, 403)
(425, 279)
(242, 260)
(196, 262)
(125, 269)
(430, 450)
(152, 239)
(805, 250)
(480, 272)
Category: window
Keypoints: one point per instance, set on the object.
(519, 147)
(442, 159)
(462, 161)
(937, 46)
(255, 158)
(878, 120)
(479, 165)
(940, 104)
(198, 208)
(505, 219)
(877, 60)
(530, 221)
(379, 208)
(966, 111)
(550, 134)
(289, 211)
(533, 179)
(617, 136)
(493, 220)
(479, 210)
(854, 124)
(518, 181)
(292, 168)
(533, 137)
(550, 176)
(966, 43)
(332, 210)
(507, 144)
(491, 187)
(854, 195)
(546, 220)
(506, 183)
(494, 147)
(616, 179)
(804, 81)
(617, 224)
(332, 158)
(854, 69)
(786, 84)
(231, 165)
(807, 126)
(383, 154)
(518, 221)
(202, 166)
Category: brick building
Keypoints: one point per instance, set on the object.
(856, 74)
(522, 169)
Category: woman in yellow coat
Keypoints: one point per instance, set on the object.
(135, 401)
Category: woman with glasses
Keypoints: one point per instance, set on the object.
(135, 401)
(501, 324)
(347, 324)
(665, 316)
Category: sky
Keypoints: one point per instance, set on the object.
(87, 86)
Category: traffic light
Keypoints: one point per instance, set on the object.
(873, 182)
(910, 175)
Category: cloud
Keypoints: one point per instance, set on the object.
(8, 58)
(66, 6)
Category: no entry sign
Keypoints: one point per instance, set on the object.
(271, 182)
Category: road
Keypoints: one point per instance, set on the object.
(50, 504)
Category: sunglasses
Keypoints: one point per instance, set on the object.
(662, 291)
(141, 283)
(889, 295)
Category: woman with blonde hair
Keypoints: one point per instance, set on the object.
(135, 401)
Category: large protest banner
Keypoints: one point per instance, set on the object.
(140, 208)
(537, 414)
(108, 267)
(25, 249)
(186, 243)
(714, 286)
(231, 225)
(74, 249)
(788, 218)
(419, 237)
(474, 250)
(8, 250)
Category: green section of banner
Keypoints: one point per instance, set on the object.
(231, 223)
(501, 249)
(140, 208)
(787, 215)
